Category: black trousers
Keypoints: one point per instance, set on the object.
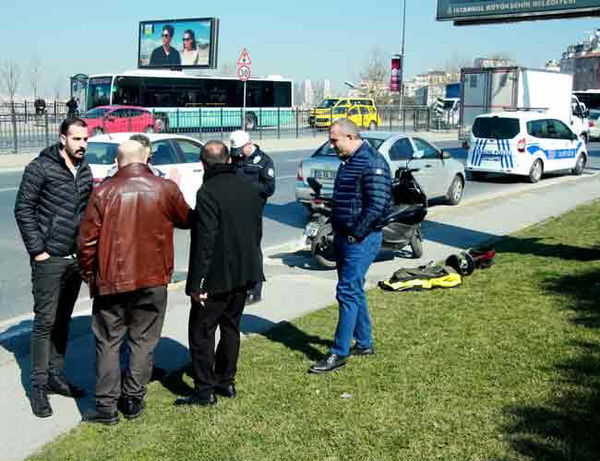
(140, 314)
(55, 287)
(212, 367)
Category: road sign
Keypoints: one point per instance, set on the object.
(243, 73)
(244, 58)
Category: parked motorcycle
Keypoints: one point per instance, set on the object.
(401, 227)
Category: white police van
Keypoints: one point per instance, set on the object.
(526, 143)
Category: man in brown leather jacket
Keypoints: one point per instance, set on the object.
(126, 257)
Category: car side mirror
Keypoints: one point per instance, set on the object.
(443, 154)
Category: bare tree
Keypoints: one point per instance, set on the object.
(227, 69)
(456, 63)
(375, 78)
(58, 87)
(11, 75)
(35, 75)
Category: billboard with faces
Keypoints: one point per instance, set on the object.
(178, 43)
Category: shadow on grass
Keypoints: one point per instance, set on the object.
(287, 334)
(461, 237)
(567, 427)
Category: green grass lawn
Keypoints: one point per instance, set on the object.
(505, 367)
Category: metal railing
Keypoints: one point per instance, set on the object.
(24, 131)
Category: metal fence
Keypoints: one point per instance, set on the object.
(22, 130)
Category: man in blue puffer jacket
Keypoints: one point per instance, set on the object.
(361, 198)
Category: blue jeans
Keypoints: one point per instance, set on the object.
(353, 261)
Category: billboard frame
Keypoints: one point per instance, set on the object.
(213, 46)
(477, 18)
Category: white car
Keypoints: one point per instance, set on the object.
(525, 143)
(177, 157)
(594, 119)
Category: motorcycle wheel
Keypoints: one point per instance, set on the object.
(323, 254)
(416, 244)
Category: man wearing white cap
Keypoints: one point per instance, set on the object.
(259, 169)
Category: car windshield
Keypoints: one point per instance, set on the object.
(326, 151)
(101, 153)
(95, 113)
(327, 103)
(375, 142)
(496, 127)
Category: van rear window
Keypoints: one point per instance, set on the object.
(496, 127)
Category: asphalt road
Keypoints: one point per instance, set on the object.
(284, 222)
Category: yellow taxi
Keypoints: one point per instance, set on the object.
(361, 111)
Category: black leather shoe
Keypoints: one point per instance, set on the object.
(101, 417)
(357, 350)
(131, 407)
(198, 400)
(40, 405)
(330, 363)
(226, 390)
(59, 385)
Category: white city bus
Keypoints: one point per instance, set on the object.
(183, 102)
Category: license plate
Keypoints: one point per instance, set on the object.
(326, 175)
(311, 229)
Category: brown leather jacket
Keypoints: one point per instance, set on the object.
(126, 236)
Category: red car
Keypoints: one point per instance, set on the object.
(119, 119)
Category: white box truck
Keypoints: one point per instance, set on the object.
(496, 89)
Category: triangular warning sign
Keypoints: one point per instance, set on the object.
(244, 58)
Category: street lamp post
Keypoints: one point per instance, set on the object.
(402, 61)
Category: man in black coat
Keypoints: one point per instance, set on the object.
(225, 260)
(52, 197)
(258, 167)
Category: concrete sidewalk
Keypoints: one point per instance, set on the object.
(295, 286)
(16, 162)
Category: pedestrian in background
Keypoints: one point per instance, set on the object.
(258, 167)
(361, 198)
(224, 261)
(72, 107)
(52, 197)
(126, 257)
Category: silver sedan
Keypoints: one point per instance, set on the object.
(438, 173)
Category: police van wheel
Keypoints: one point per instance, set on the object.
(579, 165)
(536, 171)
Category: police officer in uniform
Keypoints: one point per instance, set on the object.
(259, 169)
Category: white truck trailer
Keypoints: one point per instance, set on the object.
(495, 89)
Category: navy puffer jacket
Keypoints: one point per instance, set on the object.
(361, 194)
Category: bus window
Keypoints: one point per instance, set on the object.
(99, 92)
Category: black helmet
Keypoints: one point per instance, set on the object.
(462, 262)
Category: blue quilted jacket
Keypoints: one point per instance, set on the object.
(361, 194)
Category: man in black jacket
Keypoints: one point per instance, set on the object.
(258, 167)
(52, 197)
(224, 260)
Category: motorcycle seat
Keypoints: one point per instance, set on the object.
(406, 214)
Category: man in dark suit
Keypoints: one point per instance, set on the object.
(225, 260)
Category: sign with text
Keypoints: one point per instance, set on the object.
(178, 43)
(396, 74)
(465, 11)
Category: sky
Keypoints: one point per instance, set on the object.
(299, 39)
